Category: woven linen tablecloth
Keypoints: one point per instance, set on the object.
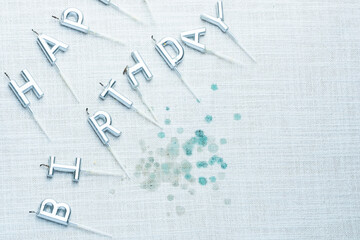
(284, 131)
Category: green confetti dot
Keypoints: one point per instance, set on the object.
(212, 179)
(214, 87)
(215, 187)
(180, 210)
(161, 134)
(227, 201)
(170, 197)
(223, 141)
(208, 118)
(213, 148)
(167, 108)
(180, 130)
(167, 121)
(237, 116)
(165, 167)
(186, 166)
(202, 164)
(187, 176)
(215, 159)
(199, 133)
(202, 181)
(223, 165)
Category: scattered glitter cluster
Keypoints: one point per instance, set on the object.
(174, 163)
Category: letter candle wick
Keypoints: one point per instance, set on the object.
(20, 92)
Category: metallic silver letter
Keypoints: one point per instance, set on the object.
(29, 85)
(77, 24)
(113, 93)
(106, 2)
(219, 21)
(64, 168)
(100, 130)
(176, 46)
(53, 215)
(50, 46)
(139, 67)
(191, 39)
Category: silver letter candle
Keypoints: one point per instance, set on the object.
(50, 47)
(192, 40)
(139, 67)
(20, 92)
(100, 130)
(173, 62)
(77, 24)
(64, 168)
(50, 210)
(53, 215)
(110, 91)
(219, 22)
(30, 85)
(75, 169)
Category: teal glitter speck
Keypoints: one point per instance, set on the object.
(161, 134)
(165, 167)
(213, 148)
(202, 181)
(167, 108)
(237, 116)
(186, 166)
(167, 121)
(223, 141)
(200, 140)
(215, 159)
(208, 118)
(212, 179)
(202, 164)
(180, 130)
(187, 176)
(223, 165)
(173, 148)
(214, 87)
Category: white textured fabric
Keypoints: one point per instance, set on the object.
(293, 158)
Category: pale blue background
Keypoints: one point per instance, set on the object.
(293, 158)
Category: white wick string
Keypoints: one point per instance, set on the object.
(149, 8)
(38, 123)
(146, 104)
(146, 117)
(106, 37)
(66, 82)
(126, 13)
(83, 227)
(102, 173)
(117, 160)
(238, 44)
(186, 84)
(223, 57)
